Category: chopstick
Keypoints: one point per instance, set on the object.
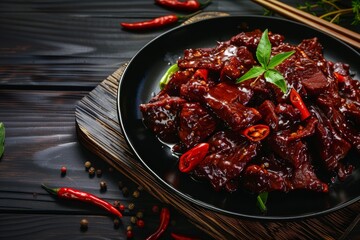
(287, 11)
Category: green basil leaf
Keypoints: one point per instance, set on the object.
(279, 58)
(263, 50)
(261, 201)
(276, 78)
(166, 77)
(252, 73)
(2, 138)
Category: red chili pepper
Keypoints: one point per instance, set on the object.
(182, 237)
(201, 73)
(164, 222)
(156, 22)
(189, 160)
(341, 78)
(187, 5)
(257, 132)
(297, 101)
(70, 193)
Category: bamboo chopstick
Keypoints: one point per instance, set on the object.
(337, 31)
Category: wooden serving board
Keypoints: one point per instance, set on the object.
(99, 130)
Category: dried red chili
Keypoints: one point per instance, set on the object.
(182, 237)
(189, 160)
(297, 101)
(156, 22)
(164, 222)
(201, 73)
(341, 78)
(257, 132)
(188, 5)
(70, 193)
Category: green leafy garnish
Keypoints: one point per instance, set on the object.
(2, 138)
(261, 201)
(268, 64)
(166, 77)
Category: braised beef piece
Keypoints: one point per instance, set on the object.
(330, 107)
(228, 155)
(252, 39)
(275, 174)
(331, 146)
(176, 80)
(229, 60)
(196, 124)
(289, 116)
(161, 117)
(222, 101)
(267, 110)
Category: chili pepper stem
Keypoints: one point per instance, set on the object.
(52, 191)
(204, 4)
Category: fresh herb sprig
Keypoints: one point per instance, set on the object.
(2, 139)
(268, 64)
(332, 10)
(261, 201)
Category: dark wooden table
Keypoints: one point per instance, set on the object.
(52, 54)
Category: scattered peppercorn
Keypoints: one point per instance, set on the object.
(84, 224)
(98, 173)
(140, 188)
(136, 194)
(133, 219)
(125, 191)
(63, 170)
(131, 206)
(103, 186)
(116, 223)
(87, 165)
(140, 215)
(91, 171)
(140, 223)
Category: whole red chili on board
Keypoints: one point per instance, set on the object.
(297, 101)
(256, 132)
(71, 193)
(164, 222)
(187, 5)
(190, 159)
(156, 22)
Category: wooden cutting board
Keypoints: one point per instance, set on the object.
(99, 130)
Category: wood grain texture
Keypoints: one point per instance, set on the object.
(99, 130)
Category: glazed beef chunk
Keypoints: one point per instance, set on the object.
(203, 103)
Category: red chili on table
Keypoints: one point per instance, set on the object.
(71, 193)
(156, 22)
(187, 5)
(182, 237)
(164, 222)
(297, 101)
(256, 132)
(189, 160)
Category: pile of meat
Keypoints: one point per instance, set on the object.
(296, 154)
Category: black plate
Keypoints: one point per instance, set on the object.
(141, 79)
